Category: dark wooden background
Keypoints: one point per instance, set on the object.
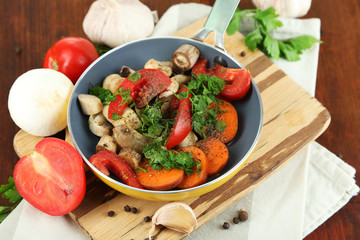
(29, 27)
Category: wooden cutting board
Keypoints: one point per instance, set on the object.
(292, 119)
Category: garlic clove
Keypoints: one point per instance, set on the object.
(176, 216)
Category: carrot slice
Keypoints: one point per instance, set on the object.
(198, 177)
(159, 179)
(216, 153)
(230, 117)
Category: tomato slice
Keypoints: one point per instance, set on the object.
(182, 126)
(52, 178)
(142, 90)
(200, 67)
(107, 161)
(239, 79)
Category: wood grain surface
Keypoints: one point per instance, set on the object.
(29, 28)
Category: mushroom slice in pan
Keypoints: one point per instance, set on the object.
(112, 82)
(190, 140)
(90, 104)
(126, 136)
(162, 66)
(99, 125)
(185, 56)
(132, 157)
(129, 117)
(106, 142)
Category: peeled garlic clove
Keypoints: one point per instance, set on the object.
(176, 216)
(114, 22)
(38, 101)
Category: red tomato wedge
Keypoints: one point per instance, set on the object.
(52, 178)
(182, 126)
(239, 79)
(107, 161)
(142, 90)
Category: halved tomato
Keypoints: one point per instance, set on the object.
(52, 178)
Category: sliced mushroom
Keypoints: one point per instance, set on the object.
(126, 136)
(170, 90)
(131, 157)
(99, 125)
(181, 78)
(129, 117)
(185, 57)
(112, 82)
(190, 140)
(106, 142)
(154, 64)
(126, 71)
(90, 104)
(166, 104)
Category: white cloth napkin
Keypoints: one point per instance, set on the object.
(289, 205)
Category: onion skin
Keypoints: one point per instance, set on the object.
(38, 101)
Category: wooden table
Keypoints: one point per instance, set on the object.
(29, 28)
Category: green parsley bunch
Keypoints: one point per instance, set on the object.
(260, 37)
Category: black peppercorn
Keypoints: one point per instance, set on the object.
(243, 54)
(127, 208)
(243, 215)
(111, 213)
(147, 219)
(236, 220)
(226, 225)
(134, 210)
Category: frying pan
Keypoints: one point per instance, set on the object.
(135, 54)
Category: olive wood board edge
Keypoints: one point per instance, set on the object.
(292, 119)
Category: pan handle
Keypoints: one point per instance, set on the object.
(217, 22)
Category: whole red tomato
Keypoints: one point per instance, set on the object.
(71, 56)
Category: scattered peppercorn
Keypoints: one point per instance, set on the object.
(147, 219)
(226, 225)
(236, 220)
(243, 215)
(243, 54)
(134, 210)
(111, 213)
(18, 50)
(127, 208)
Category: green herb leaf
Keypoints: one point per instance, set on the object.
(235, 22)
(9, 192)
(267, 18)
(288, 52)
(303, 42)
(260, 37)
(125, 95)
(103, 94)
(272, 46)
(253, 39)
(115, 116)
(134, 77)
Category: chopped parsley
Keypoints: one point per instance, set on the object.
(134, 77)
(204, 89)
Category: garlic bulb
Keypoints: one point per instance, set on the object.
(38, 101)
(176, 216)
(114, 22)
(285, 8)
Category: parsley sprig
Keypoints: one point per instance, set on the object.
(204, 89)
(9, 191)
(260, 37)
